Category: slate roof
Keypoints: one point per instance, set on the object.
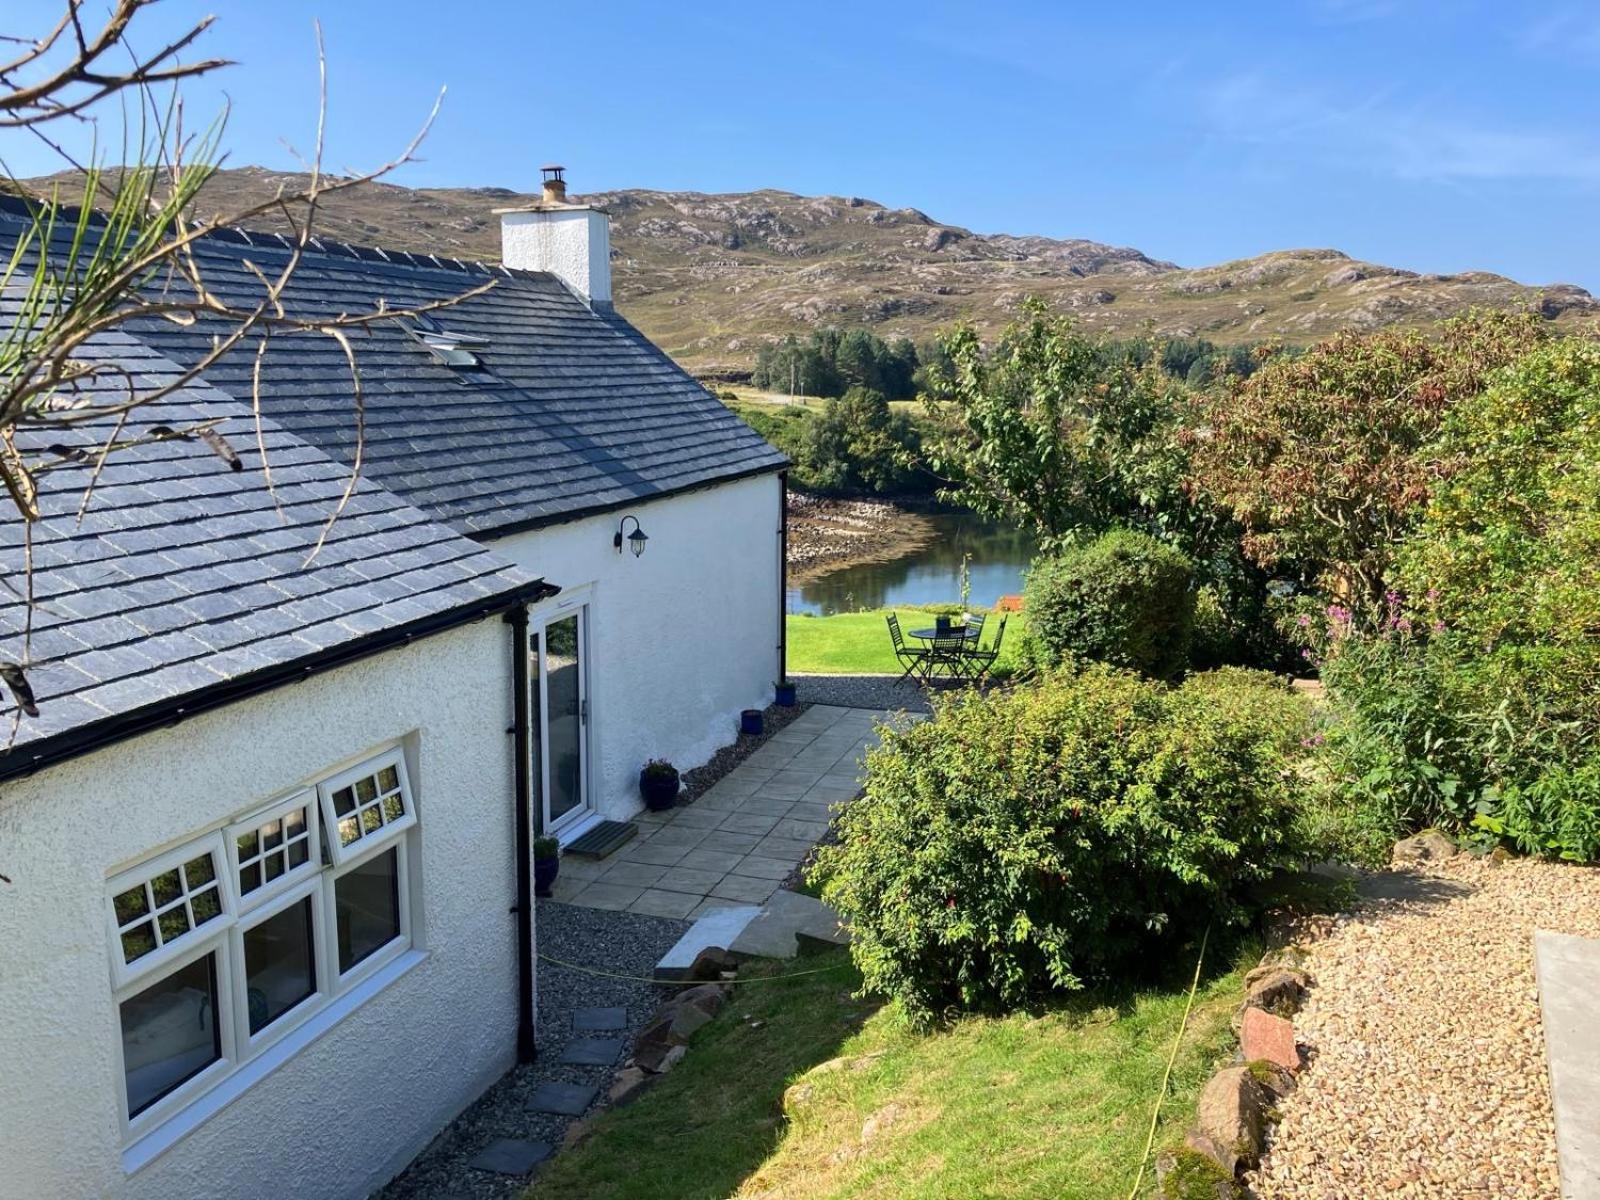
(184, 581)
(575, 412)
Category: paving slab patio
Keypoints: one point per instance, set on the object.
(740, 840)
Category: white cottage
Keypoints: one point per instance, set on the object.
(268, 919)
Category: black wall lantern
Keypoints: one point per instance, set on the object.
(636, 539)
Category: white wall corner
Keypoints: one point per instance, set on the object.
(572, 243)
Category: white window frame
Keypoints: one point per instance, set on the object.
(203, 1080)
(124, 972)
(270, 889)
(341, 855)
(223, 937)
(249, 1042)
(397, 945)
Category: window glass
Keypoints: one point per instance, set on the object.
(367, 900)
(165, 907)
(273, 849)
(280, 966)
(170, 1033)
(362, 808)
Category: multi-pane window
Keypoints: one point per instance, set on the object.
(167, 904)
(225, 943)
(275, 848)
(361, 806)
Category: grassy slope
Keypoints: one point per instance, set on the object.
(858, 643)
(1052, 1105)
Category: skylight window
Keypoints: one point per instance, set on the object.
(448, 346)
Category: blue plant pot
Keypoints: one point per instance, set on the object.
(659, 793)
(786, 695)
(545, 871)
(750, 721)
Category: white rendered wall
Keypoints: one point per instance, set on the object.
(572, 244)
(350, 1109)
(680, 639)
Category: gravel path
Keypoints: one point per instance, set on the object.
(624, 943)
(1428, 1072)
(860, 691)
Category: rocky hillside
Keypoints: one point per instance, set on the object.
(710, 276)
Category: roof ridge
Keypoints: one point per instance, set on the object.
(13, 204)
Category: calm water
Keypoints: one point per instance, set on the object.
(932, 575)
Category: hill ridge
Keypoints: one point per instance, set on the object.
(709, 276)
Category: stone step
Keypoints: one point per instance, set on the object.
(785, 924)
(718, 928)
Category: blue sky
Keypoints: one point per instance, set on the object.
(1428, 134)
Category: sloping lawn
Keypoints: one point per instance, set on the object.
(858, 643)
(1051, 1105)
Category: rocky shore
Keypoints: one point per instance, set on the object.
(827, 534)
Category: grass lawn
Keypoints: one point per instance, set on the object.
(858, 643)
(1056, 1104)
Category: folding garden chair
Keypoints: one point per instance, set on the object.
(983, 658)
(915, 661)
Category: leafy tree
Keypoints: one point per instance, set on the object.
(858, 444)
(1061, 433)
(1319, 456)
(830, 362)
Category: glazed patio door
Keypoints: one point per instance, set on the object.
(560, 707)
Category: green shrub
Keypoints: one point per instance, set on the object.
(1124, 599)
(1476, 704)
(1022, 843)
(1400, 757)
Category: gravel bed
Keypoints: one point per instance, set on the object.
(1427, 1075)
(861, 691)
(698, 781)
(620, 942)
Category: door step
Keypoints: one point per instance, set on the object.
(604, 839)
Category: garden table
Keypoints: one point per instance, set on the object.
(948, 649)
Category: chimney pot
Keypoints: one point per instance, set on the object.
(555, 186)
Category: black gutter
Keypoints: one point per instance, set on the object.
(47, 752)
(593, 510)
(517, 618)
(783, 577)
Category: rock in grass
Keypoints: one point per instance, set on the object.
(707, 997)
(627, 1084)
(1232, 1116)
(1277, 990)
(710, 964)
(1267, 1038)
(1428, 846)
(1190, 1174)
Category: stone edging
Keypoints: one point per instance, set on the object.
(1240, 1101)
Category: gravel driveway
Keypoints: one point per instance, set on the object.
(1428, 1076)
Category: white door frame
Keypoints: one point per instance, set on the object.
(569, 602)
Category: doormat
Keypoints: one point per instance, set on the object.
(605, 838)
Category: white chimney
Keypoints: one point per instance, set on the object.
(570, 241)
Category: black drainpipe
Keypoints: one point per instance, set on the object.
(517, 618)
(783, 577)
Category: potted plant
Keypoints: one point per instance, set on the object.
(546, 864)
(785, 695)
(658, 784)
